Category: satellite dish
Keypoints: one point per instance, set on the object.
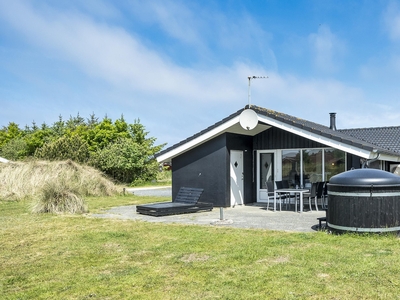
(248, 119)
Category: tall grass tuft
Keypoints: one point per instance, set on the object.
(57, 197)
(41, 180)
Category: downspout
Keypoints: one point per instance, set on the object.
(365, 164)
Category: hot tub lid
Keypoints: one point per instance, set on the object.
(365, 177)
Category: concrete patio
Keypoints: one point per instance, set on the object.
(249, 216)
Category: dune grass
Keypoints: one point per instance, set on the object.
(25, 180)
(58, 197)
(55, 187)
(49, 256)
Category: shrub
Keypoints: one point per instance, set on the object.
(126, 161)
(15, 149)
(164, 175)
(87, 142)
(73, 147)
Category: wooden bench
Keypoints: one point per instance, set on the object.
(186, 201)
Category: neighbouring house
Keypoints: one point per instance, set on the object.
(233, 164)
(3, 160)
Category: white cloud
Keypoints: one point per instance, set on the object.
(186, 95)
(327, 49)
(395, 62)
(177, 20)
(103, 51)
(383, 67)
(207, 31)
(118, 57)
(314, 98)
(391, 19)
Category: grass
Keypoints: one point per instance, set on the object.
(26, 180)
(57, 197)
(53, 187)
(48, 256)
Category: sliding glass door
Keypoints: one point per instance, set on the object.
(312, 166)
(335, 163)
(300, 167)
(291, 167)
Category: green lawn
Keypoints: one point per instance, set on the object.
(79, 257)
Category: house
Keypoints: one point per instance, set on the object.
(233, 163)
(3, 160)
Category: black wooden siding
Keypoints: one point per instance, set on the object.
(208, 167)
(203, 167)
(275, 138)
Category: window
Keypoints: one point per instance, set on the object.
(312, 166)
(291, 167)
(266, 169)
(335, 162)
(303, 167)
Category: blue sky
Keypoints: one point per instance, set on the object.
(181, 66)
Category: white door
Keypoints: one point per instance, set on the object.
(237, 177)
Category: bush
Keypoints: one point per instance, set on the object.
(15, 149)
(87, 142)
(74, 148)
(165, 175)
(126, 161)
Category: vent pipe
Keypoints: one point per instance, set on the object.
(333, 121)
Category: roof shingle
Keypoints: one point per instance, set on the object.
(385, 137)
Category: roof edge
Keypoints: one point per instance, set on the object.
(307, 129)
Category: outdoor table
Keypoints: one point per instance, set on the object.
(290, 190)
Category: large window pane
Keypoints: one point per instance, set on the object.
(312, 166)
(291, 167)
(335, 163)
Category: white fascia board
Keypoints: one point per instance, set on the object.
(198, 140)
(317, 138)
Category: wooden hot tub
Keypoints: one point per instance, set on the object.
(364, 200)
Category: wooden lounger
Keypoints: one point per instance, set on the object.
(187, 201)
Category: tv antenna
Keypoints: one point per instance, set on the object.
(249, 90)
